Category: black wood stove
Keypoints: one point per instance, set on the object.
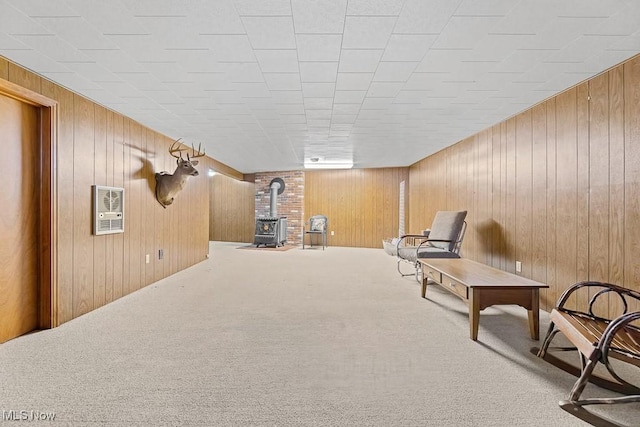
(272, 230)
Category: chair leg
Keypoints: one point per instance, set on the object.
(547, 340)
(400, 271)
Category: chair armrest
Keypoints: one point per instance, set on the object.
(404, 237)
(604, 289)
(433, 240)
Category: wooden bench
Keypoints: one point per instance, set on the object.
(482, 286)
(597, 339)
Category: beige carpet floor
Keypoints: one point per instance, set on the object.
(300, 338)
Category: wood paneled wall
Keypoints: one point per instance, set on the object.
(556, 187)
(99, 146)
(232, 207)
(362, 205)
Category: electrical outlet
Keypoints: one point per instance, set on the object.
(146, 258)
(333, 233)
(518, 267)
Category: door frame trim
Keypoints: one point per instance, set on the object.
(47, 226)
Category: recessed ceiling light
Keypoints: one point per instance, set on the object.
(345, 164)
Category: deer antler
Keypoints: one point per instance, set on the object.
(176, 149)
(199, 153)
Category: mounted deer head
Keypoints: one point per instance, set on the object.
(169, 185)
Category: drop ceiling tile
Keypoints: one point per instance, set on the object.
(229, 48)
(252, 90)
(465, 32)
(213, 17)
(346, 109)
(270, 32)
(318, 103)
(582, 48)
(77, 32)
(108, 17)
(318, 115)
(40, 7)
(277, 61)
(318, 71)
(343, 119)
(561, 31)
(319, 47)
(376, 103)
(384, 89)
(623, 23)
(411, 96)
(367, 32)
(486, 8)
(421, 17)
(324, 17)
(293, 118)
(318, 90)
(444, 60)
(14, 21)
(354, 81)
(349, 96)
(408, 47)
(358, 60)
(242, 72)
(263, 8)
(290, 109)
(287, 97)
(375, 7)
(394, 71)
(283, 81)
(8, 43)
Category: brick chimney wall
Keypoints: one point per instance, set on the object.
(290, 202)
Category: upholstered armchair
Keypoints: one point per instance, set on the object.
(442, 240)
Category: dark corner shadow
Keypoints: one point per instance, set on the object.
(492, 237)
(147, 173)
(145, 170)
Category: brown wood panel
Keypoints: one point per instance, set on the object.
(118, 181)
(496, 193)
(582, 209)
(524, 192)
(539, 196)
(24, 78)
(4, 68)
(19, 246)
(362, 205)
(599, 176)
(632, 174)
(100, 178)
(232, 209)
(109, 180)
(485, 183)
(616, 184)
(510, 196)
(63, 307)
(134, 201)
(567, 187)
(550, 296)
(83, 175)
(129, 225)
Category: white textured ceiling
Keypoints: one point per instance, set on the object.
(266, 84)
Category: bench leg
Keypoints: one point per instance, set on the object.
(474, 313)
(534, 315)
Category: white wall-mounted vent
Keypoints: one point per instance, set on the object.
(108, 210)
